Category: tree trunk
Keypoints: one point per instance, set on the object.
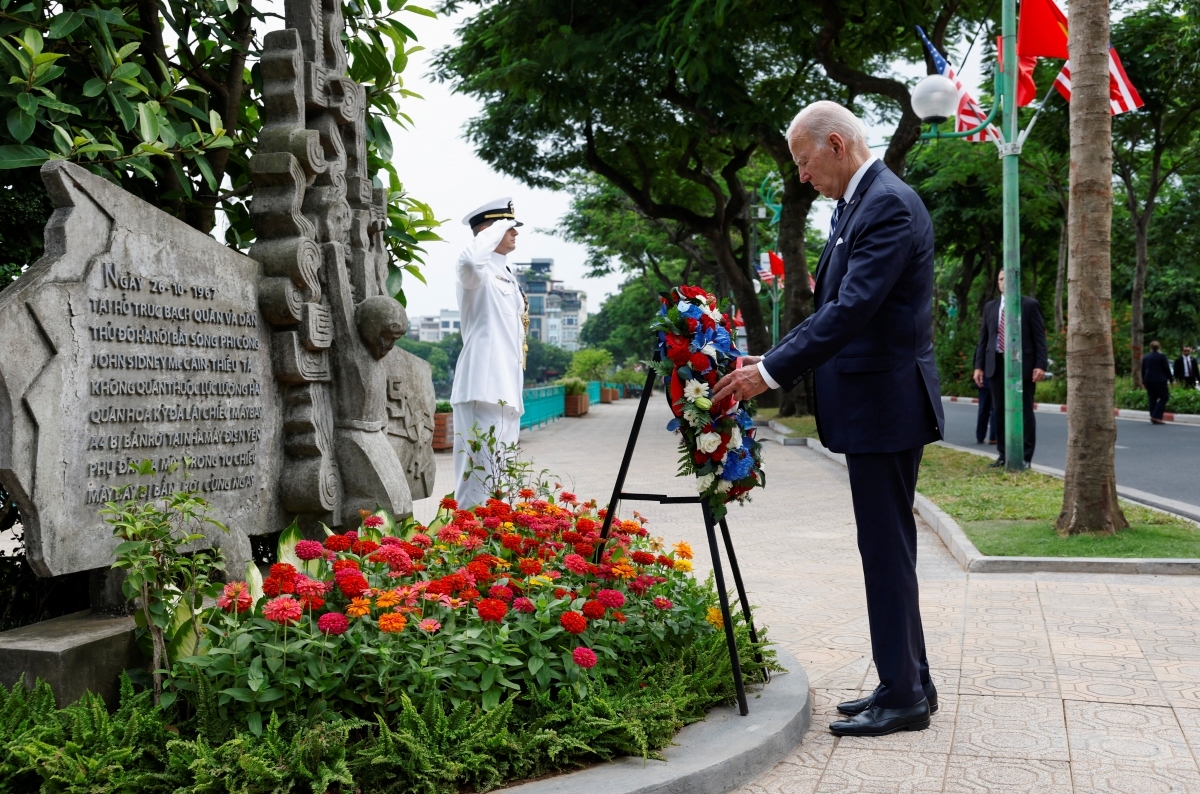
(1060, 323)
(962, 290)
(732, 276)
(1090, 492)
(798, 199)
(1137, 320)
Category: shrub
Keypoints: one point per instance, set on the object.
(590, 364)
(443, 407)
(573, 386)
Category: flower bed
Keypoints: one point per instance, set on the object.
(490, 646)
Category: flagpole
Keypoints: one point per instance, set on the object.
(1010, 150)
(1041, 107)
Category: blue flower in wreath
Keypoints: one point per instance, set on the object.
(702, 337)
(744, 420)
(738, 466)
(723, 343)
(689, 310)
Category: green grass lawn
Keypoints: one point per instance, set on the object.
(1007, 514)
(1013, 515)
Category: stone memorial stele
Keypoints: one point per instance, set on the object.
(269, 384)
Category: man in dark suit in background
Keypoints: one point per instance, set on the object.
(1185, 368)
(1156, 374)
(869, 345)
(985, 420)
(989, 363)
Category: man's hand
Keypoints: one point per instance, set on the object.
(979, 378)
(742, 384)
(749, 361)
(1039, 375)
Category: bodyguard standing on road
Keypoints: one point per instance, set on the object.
(869, 345)
(1156, 374)
(490, 373)
(989, 362)
(1185, 368)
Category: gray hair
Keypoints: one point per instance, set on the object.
(817, 121)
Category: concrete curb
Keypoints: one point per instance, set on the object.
(720, 754)
(1120, 413)
(972, 561)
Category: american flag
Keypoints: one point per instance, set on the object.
(969, 115)
(1123, 97)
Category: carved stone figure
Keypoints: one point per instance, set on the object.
(320, 225)
(411, 404)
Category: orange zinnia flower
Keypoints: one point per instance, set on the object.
(623, 570)
(387, 599)
(392, 623)
(358, 607)
(683, 549)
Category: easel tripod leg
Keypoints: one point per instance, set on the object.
(723, 597)
(741, 588)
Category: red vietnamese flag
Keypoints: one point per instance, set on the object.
(1026, 88)
(776, 264)
(1042, 30)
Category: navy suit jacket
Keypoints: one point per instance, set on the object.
(869, 341)
(1156, 368)
(1033, 340)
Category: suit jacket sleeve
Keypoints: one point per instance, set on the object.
(1145, 368)
(880, 253)
(1038, 326)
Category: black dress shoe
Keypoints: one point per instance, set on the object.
(878, 721)
(852, 707)
(996, 464)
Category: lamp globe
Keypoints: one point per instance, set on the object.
(935, 99)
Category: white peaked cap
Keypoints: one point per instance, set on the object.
(494, 210)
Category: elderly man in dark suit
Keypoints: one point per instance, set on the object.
(989, 363)
(1156, 375)
(869, 345)
(1185, 368)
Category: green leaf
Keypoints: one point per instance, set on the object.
(425, 12)
(94, 87)
(127, 50)
(254, 720)
(48, 57)
(20, 126)
(64, 24)
(214, 123)
(147, 122)
(124, 109)
(32, 41)
(206, 171)
(126, 71)
(395, 279)
(254, 582)
(27, 103)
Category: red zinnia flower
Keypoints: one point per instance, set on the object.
(524, 605)
(361, 547)
(501, 592)
(593, 610)
(663, 603)
(584, 657)
(449, 504)
(613, 599)
(492, 610)
(275, 585)
(422, 540)
(576, 564)
(334, 623)
(309, 550)
(373, 522)
(530, 566)
(337, 543)
(312, 602)
(585, 525)
(526, 493)
(643, 557)
(353, 584)
(235, 598)
(285, 610)
(282, 570)
(573, 622)
(619, 616)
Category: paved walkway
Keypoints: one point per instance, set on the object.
(1048, 683)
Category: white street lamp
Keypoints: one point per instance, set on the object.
(935, 99)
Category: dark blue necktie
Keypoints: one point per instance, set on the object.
(837, 214)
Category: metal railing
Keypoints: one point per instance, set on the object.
(594, 391)
(542, 405)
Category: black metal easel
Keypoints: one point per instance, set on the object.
(619, 494)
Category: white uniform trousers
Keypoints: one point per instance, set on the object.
(475, 474)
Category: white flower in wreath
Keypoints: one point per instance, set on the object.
(695, 389)
(735, 437)
(708, 442)
(713, 313)
(709, 350)
(723, 486)
(704, 482)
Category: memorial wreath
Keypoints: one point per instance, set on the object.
(696, 348)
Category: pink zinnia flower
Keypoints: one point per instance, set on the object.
(501, 592)
(422, 540)
(429, 625)
(374, 522)
(309, 550)
(310, 587)
(584, 657)
(576, 564)
(524, 605)
(613, 599)
(333, 623)
(235, 597)
(663, 603)
(285, 610)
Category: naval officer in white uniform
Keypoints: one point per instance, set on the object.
(490, 373)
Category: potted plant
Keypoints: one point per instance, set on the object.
(443, 426)
(575, 390)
